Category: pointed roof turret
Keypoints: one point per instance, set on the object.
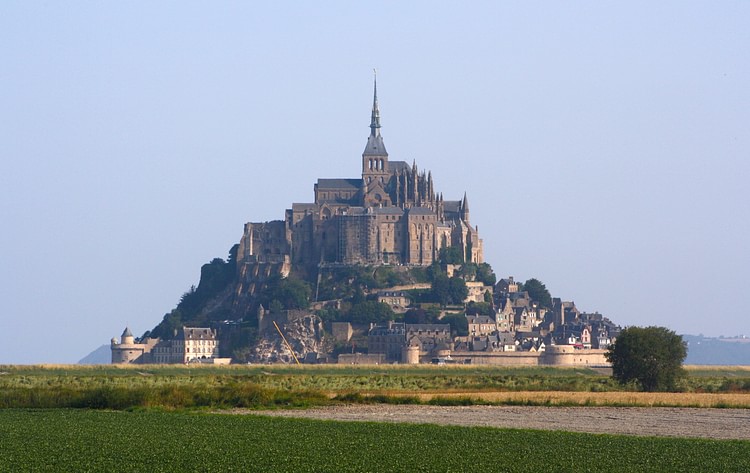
(127, 332)
(375, 145)
(465, 210)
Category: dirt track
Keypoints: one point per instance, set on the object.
(648, 421)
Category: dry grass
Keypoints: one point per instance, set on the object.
(745, 368)
(564, 398)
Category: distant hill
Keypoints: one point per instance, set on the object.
(717, 351)
(100, 356)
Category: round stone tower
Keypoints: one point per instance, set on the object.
(410, 354)
(127, 337)
(127, 350)
(442, 350)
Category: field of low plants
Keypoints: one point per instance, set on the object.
(115, 387)
(92, 440)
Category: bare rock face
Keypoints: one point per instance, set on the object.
(302, 330)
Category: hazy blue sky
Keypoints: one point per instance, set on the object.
(604, 147)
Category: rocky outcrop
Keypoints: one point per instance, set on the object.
(302, 329)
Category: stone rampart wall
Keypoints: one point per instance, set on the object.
(592, 358)
(505, 358)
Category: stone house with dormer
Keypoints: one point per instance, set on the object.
(480, 325)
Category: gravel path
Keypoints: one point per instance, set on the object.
(643, 421)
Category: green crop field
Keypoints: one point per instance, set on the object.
(87, 440)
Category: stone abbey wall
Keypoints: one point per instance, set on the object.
(392, 214)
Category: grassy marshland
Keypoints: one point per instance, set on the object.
(175, 387)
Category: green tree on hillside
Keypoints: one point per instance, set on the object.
(370, 311)
(468, 272)
(479, 308)
(538, 292)
(458, 290)
(459, 324)
(486, 274)
(447, 290)
(451, 255)
(478, 272)
(215, 277)
(290, 293)
(651, 356)
(422, 316)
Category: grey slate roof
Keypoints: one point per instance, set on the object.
(352, 184)
(397, 166)
(375, 146)
(388, 210)
(480, 319)
(355, 211)
(303, 207)
(420, 211)
(195, 333)
(428, 327)
(452, 205)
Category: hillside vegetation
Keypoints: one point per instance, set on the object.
(217, 301)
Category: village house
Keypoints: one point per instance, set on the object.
(481, 325)
(391, 338)
(397, 300)
(506, 286)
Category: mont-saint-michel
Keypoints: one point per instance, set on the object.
(382, 268)
(223, 188)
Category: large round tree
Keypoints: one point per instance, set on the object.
(538, 292)
(649, 356)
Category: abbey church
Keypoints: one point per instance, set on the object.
(391, 215)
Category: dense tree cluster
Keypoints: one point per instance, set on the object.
(285, 293)
(422, 316)
(459, 324)
(538, 292)
(650, 357)
(451, 255)
(478, 272)
(449, 291)
(479, 308)
(216, 276)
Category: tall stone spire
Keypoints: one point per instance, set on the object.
(375, 118)
(375, 146)
(465, 210)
